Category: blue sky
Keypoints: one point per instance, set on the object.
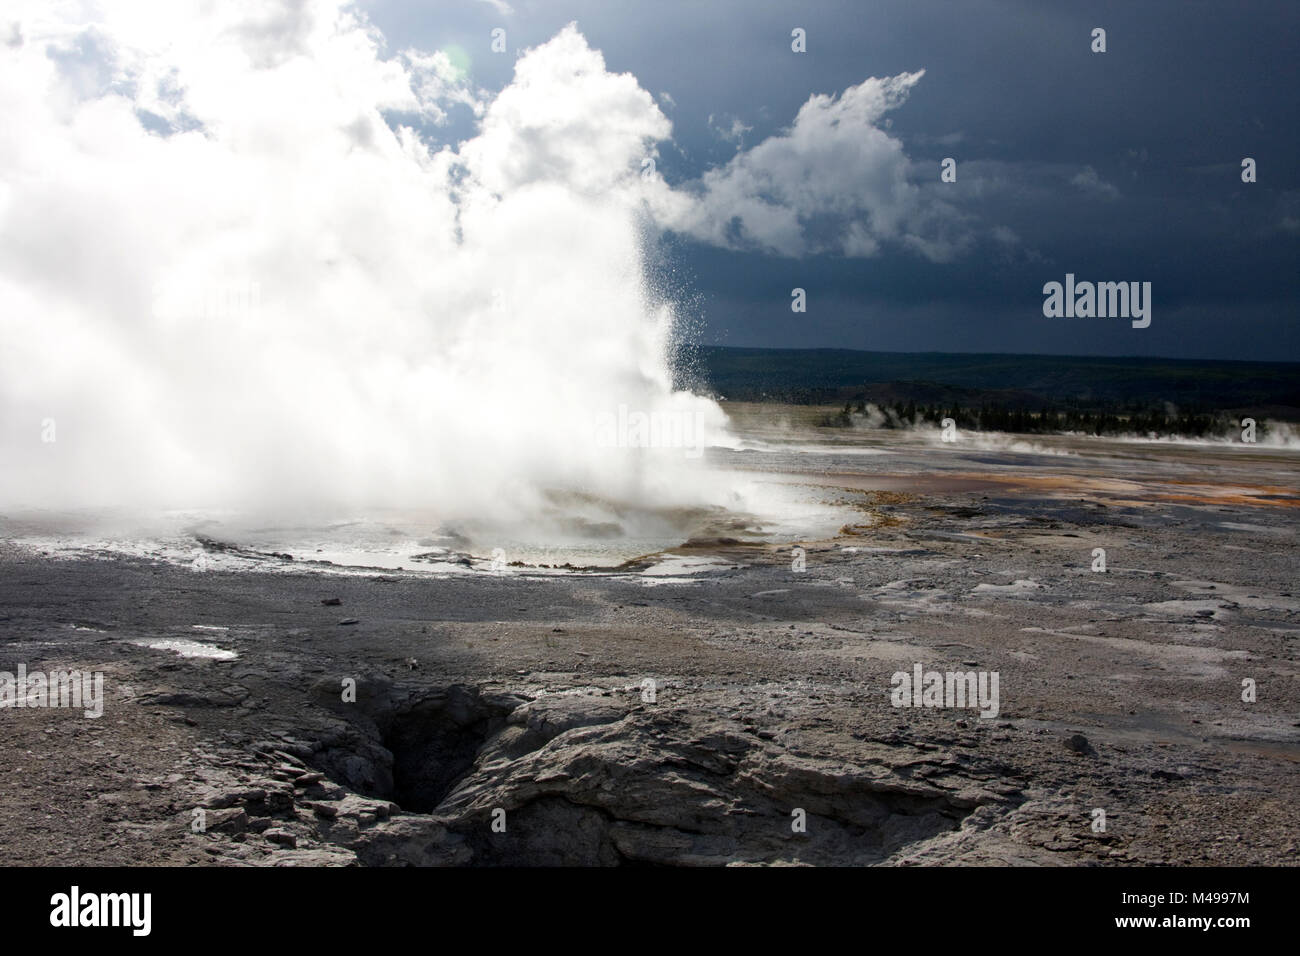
(1116, 166)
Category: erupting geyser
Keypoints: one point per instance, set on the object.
(232, 277)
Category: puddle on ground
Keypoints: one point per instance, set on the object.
(184, 648)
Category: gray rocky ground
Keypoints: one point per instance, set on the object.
(483, 692)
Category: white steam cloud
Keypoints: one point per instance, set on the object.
(228, 274)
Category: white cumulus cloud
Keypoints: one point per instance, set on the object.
(834, 181)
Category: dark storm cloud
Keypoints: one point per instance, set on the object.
(1115, 166)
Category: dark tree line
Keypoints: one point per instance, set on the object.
(1132, 420)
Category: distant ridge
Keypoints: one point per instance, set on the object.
(816, 376)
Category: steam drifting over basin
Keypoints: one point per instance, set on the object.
(219, 291)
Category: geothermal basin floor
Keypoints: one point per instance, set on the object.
(741, 714)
